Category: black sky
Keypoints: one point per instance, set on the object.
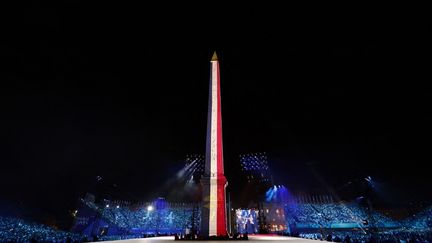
(122, 93)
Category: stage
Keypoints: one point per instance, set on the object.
(254, 238)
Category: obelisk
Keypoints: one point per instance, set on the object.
(213, 217)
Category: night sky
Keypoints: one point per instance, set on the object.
(122, 94)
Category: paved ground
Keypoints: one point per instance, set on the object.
(254, 238)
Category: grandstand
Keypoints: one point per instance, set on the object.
(123, 218)
(298, 214)
(419, 221)
(301, 216)
(309, 217)
(335, 216)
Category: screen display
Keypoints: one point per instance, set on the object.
(246, 221)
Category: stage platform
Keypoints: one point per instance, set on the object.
(254, 238)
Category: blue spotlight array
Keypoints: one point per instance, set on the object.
(277, 193)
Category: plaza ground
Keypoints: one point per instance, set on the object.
(254, 238)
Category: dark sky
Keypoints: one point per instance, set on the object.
(122, 93)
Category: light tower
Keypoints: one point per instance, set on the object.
(213, 217)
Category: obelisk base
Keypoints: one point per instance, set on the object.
(213, 214)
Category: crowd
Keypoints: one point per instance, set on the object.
(397, 236)
(17, 230)
(326, 215)
(380, 229)
(323, 215)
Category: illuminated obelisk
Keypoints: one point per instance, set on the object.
(213, 217)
